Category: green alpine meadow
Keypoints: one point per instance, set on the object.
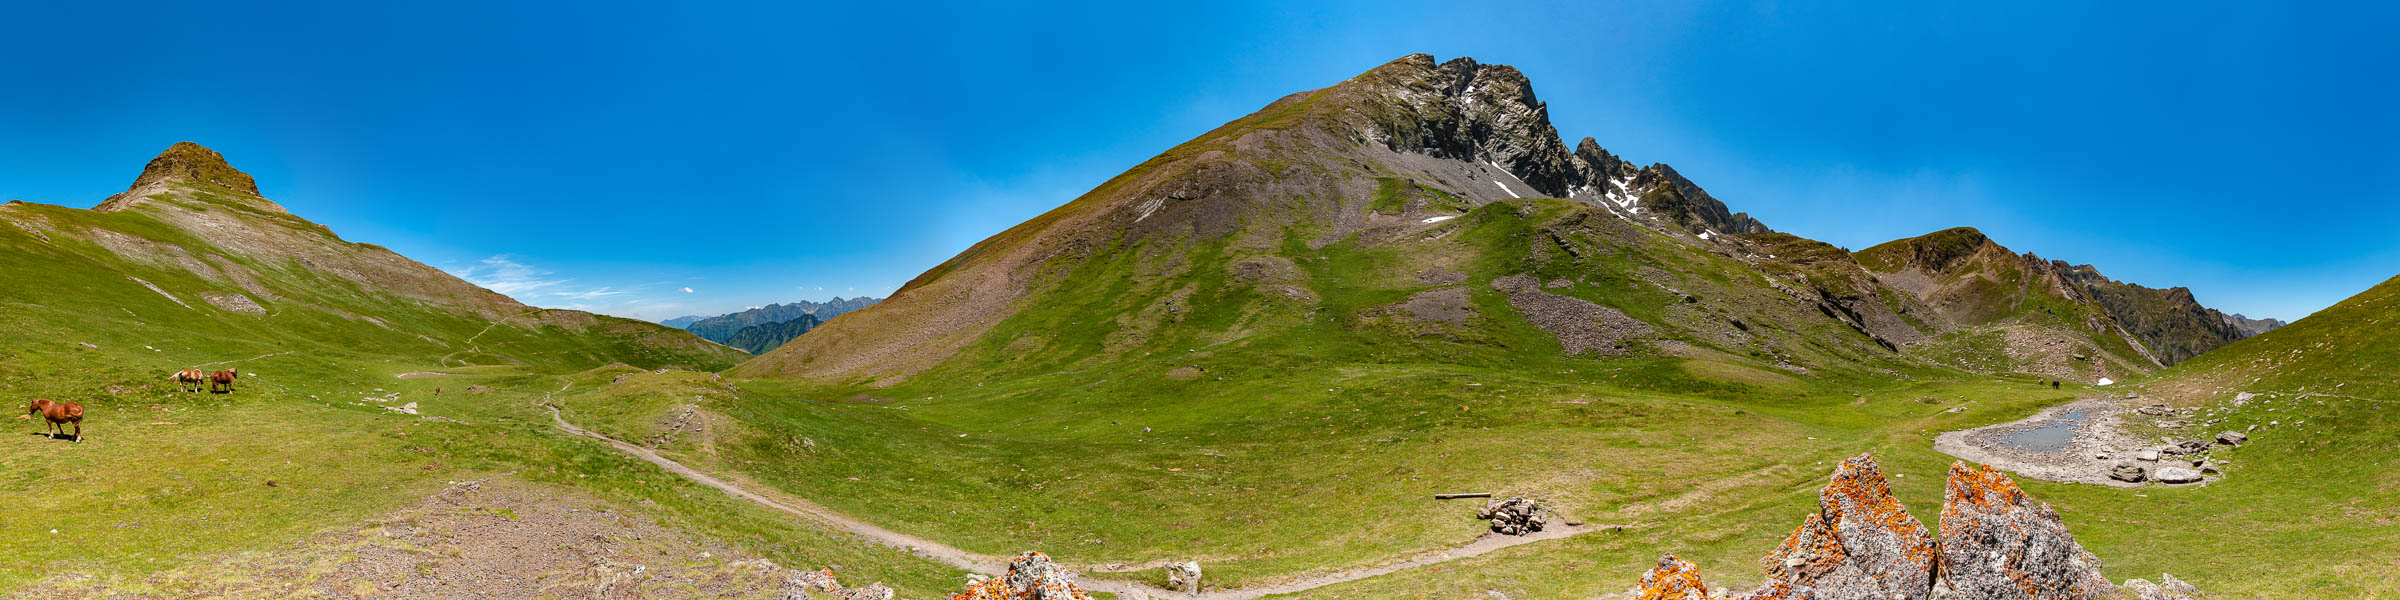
(1391, 337)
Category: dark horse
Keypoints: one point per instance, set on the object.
(58, 415)
(222, 381)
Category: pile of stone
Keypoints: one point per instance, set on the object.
(1514, 516)
(1032, 576)
(2180, 462)
(812, 585)
(1996, 543)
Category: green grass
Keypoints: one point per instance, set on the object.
(165, 479)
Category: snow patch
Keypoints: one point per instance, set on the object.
(1704, 233)
(1504, 188)
(1440, 218)
(2105, 381)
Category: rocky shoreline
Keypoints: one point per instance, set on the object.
(2095, 445)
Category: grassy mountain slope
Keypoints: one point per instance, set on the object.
(1265, 347)
(2044, 316)
(179, 250)
(191, 269)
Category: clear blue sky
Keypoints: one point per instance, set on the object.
(608, 155)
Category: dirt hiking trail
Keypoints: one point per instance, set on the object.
(996, 565)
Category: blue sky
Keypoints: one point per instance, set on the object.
(610, 156)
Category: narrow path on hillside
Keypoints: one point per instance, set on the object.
(241, 359)
(995, 565)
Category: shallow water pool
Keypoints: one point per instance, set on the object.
(2050, 436)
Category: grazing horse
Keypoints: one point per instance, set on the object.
(58, 415)
(222, 381)
(190, 379)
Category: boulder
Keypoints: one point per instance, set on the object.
(2128, 472)
(2168, 588)
(1183, 576)
(2148, 455)
(2232, 438)
(1030, 577)
(2178, 475)
(1861, 543)
(2208, 467)
(1672, 579)
(2000, 544)
(1513, 516)
(2187, 447)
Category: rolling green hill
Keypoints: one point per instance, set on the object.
(369, 383)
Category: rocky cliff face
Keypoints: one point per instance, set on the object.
(1996, 543)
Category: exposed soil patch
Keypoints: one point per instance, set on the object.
(2062, 443)
(490, 539)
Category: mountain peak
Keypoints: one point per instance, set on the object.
(193, 163)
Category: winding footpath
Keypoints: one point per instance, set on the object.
(995, 565)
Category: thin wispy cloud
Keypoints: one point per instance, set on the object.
(687, 290)
(504, 274)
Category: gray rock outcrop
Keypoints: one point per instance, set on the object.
(1861, 543)
(2000, 544)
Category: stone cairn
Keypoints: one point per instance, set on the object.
(1996, 543)
(1513, 516)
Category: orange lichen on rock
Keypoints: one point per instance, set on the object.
(1998, 543)
(1030, 577)
(1861, 542)
(1672, 579)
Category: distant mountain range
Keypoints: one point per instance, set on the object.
(784, 319)
(758, 339)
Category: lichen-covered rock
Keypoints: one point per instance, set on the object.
(1861, 543)
(1513, 516)
(2000, 544)
(1672, 579)
(1030, 577)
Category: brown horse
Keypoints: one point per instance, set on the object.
(190, 379)
(58, 415)
(222, 381)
